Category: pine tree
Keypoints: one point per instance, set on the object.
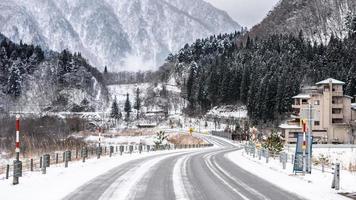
(274, 143)
(351, 82)
(15, 79)
(127, 108)
(137, 105)
(105, 70)
(115, 111)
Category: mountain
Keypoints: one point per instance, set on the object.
(122, 34)
(318, 19)
(32, 80)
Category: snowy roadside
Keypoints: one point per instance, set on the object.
(60, 181)
(315, 186)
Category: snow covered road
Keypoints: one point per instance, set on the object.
(200, 175)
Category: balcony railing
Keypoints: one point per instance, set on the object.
(337, 93)
(338, 105)
(295, 106)
(337, 116)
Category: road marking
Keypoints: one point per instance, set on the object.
(180, 171)
(209, 165)
(124, 186)
(242, 184)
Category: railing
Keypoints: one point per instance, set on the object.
(59, 158)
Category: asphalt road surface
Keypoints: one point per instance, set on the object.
(204, 174)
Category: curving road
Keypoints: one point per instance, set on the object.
(204, 174)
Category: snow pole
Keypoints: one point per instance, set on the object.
(17, 162)
(304, 147)
(17, 149)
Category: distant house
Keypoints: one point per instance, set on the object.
(333, 115)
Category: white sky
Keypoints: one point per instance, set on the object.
(245, 12)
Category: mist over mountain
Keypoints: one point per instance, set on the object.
(120, 34)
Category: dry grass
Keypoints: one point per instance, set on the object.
(182, 139)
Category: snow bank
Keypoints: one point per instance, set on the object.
(315, 186)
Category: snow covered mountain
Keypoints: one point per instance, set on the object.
(122, 34)
(318, 19)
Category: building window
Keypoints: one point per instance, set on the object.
(317, 123)
(317, 102)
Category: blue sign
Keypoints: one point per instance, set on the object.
(298, 157)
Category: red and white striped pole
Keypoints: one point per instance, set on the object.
(17, 149)
(17, 163)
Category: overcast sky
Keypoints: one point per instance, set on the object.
(245, 12)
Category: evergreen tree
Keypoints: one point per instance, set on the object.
(137, 105)
(115, 111)
(105, 70)
(351, 82)
(274, 143)
(15, 79)
(127, 108)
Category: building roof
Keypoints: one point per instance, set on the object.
(353, 106)
(288, 126)
(302, 96)
(333, 81)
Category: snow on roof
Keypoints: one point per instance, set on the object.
(333, 81)
(288, 126)
(353, 106)
(302, 96)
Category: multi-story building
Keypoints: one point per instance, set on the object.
(332, 114)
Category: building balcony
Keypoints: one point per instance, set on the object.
(295, 106)
(295, 116)
(337, 116)
(337, 93)
(338, 105)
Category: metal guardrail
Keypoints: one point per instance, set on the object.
(60, 158)
(283, 157)
(222, 134)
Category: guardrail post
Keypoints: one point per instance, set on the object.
(292, 159)
(121, 149)
(284, 160)
(56, 158)
(31, 165)
(336, 180)
(41, 162)
(44, 164)
(140, 148)
(66, 158)
(76, 153)
(259, 154)
(7, 171)
(111, 150)
(131, 149)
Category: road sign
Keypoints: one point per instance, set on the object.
(298, 156)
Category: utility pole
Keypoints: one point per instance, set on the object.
(304, 147)
(310, 120)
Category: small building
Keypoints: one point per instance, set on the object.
(331, 112)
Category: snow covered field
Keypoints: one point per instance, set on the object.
(342, 153)
(315, 186)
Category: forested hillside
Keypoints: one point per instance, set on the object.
(263, 73)
(32, 80)
(318, 19)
